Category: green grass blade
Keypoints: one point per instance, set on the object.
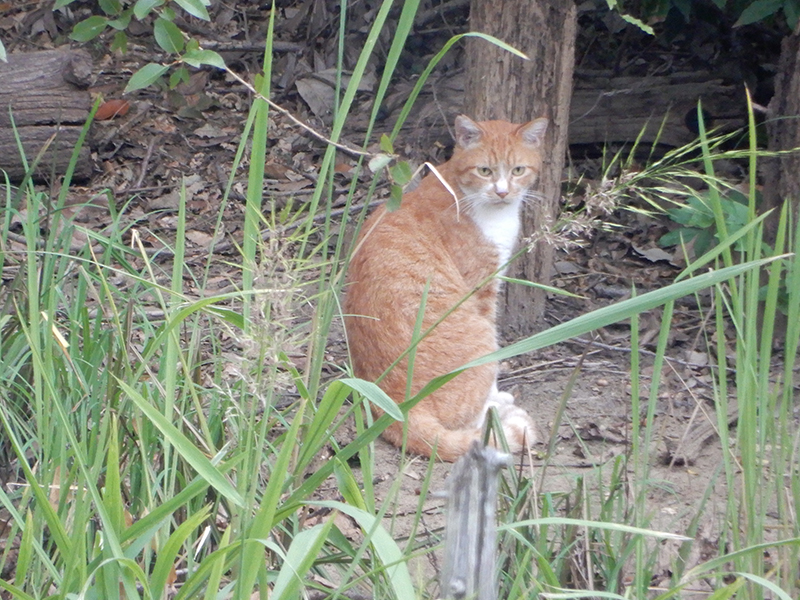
(298, 560)
(185, 448)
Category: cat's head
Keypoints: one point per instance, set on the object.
(497, 163)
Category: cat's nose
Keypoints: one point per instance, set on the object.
(502, 193)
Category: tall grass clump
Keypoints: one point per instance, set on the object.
(593, 539)
(138, 467)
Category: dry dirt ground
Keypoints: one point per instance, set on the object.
(192, 133)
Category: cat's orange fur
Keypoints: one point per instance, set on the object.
(452, 247)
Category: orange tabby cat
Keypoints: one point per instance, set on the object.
(452, 246)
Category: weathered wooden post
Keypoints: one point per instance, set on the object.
(470, 552)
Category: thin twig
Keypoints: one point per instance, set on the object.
(298, 122)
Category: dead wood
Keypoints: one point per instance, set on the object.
(44, 95)
(470, 550)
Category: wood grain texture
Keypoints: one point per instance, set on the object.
(43, 95)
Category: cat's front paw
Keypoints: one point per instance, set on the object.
(518, 427)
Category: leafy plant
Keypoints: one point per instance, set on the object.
(698, 222)
(117, 15)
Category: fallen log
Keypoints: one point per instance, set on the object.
(655, 109)
(43, 95)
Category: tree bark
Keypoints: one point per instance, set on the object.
(503, 86)
(782, 173)
(45, 94)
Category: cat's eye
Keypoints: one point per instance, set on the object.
(517, 171)
(484, 171)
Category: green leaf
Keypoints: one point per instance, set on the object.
(181, 74)
(791, 9)
(676, 237)
(638, 23)
(375, 395)
(758, 11)
(184, 446)
(395, 197)
(122, 22)
(110, 7)
(145, 76)
(3, 56)
(168, 36)
(62, 4)
(385, 547)
(198, 58)
(120, 42)
(168, 554)
(604, 316)
(142, 8)
(401, 173)
(88, 29)
(196, 8)
(386, 144)
(299, 559)
(377, 162)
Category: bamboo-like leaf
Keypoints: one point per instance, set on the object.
(385, 547)
(167, 555)
(661, 535)
(298, 560)
(184, 447)
(375, 395)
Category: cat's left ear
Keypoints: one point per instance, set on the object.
(533, 133)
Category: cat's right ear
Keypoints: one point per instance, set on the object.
(468, 132)
(533, 132)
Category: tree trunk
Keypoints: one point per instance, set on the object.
(503, 86)
(782, 173)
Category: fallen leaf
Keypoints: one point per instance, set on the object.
(112, 108)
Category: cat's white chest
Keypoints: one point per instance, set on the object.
(500, 224)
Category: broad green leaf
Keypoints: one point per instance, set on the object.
(395, 198)
(198, 58)
(298, 561)
(169, 553)
(376, 163)
(122, 22)
(758, 11)
(184, 447)
(776, 591)
(385, 547)
(120, 42)
(62, 4)
(375, 395)
(142, 8)
(401, 173)
(178, 76)
(196, 8)
(386, 144)
(791, 10)
(110, 7)
(88, 29)
(168, 36)
(145, 76)
(15, 591)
